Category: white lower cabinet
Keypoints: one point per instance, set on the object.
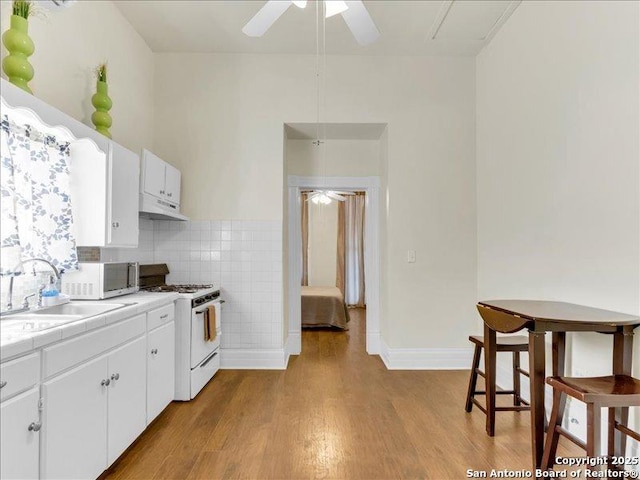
(19, 437)
(93, 396)
(93, 413)
(74, 433)
(127, 396)
(160, 369)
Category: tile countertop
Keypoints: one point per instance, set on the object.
(12, 344)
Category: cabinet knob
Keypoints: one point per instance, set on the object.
(115, 224)
(162, 191)
(3, 383)
(35, 426)
(154, 351)
(170, 194)
(115, 376)
(105, 383)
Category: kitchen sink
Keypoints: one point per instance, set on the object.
(45, 318)
(84, 309)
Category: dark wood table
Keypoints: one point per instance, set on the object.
(539, 317)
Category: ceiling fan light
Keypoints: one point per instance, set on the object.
(334, 7)
(300, 3)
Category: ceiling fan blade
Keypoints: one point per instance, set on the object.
(312, 195)
(360, 22)
(266, 16)
(343, 193)
(335, 196)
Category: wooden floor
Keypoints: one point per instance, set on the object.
(335, 413)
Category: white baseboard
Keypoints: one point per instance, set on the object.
(241, 359)
(293, 345)
(425, 358)
(373, 343)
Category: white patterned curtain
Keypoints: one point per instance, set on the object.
(37, 220)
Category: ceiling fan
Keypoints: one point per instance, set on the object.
(354, 13)
(325, 196)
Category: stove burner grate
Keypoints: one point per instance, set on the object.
(188, 288)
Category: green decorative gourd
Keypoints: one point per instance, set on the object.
(16, 65)
(102, 103)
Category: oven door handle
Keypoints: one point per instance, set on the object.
(200, 312)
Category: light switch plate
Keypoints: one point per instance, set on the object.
(411, 256)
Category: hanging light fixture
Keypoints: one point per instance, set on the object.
(324, 197)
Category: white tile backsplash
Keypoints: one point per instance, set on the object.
(243, 257)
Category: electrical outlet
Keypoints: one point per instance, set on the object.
(411, 256)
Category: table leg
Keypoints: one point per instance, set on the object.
(622, 363)
(490, 377)
(537, 377)
(559, 400)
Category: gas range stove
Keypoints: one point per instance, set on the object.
(198, 294)
(153, 279)
(198, 309)
(188, 288)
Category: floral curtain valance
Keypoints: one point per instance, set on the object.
(37, 220)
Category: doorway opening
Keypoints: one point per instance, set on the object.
(363, 290)
(352, 160)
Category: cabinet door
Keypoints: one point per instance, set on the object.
(127, 396)
(154, 175)
(124, 174)
(19, 450)
(172, 184)
(160, 369)
(74, 419)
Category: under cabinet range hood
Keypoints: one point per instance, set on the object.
(156, 209)
(159, 189)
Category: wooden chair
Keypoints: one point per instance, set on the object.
(514, 344)
(612, 392)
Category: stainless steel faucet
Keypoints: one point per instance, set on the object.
(25, 303)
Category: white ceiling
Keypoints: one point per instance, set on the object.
(413, 27)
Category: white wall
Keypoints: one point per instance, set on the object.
(342, 158)
(558, 162)
(70, 43)
(230, 111)
(323, 244)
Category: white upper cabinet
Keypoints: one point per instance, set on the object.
(153, 172)
(172, 184)
(104, 196)
(160, 179)
(123, 200)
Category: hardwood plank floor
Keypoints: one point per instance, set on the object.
(335, 413)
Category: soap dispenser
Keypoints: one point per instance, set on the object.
(50, 293)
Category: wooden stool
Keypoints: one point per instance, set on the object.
(514, 344)
(612, 392)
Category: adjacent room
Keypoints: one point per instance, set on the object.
(287, 239)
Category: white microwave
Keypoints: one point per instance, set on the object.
(97, 281)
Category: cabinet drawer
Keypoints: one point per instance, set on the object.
(160, 316)
(19, 374)
(67, 354)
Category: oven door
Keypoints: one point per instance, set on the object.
(201, 349)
